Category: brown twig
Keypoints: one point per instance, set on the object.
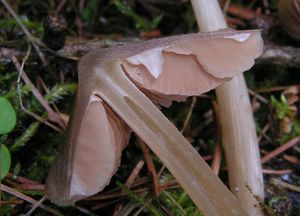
(150, 165)
(291, 159)
(244, 13)
(35, 206)
(134, 173)
(207, 157)
(280, 149)
(60, 6)
(217, 155)
(140, 181)
(277, 172)
(23, 75)
(136, 170)
(108, 203)
(22, 180)
(226, 5)
(78, 21)
(189, 115)
(28, 199)
(286, 185)
(235, 22)
(29, 186)
(11, 202)
(168, 185)
(276, 89)
(263, 133)
(52, 115)
(216, 160)
(143, 207)
(150, 34)
(258, 96)
(85, 211)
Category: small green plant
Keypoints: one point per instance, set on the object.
(90, 10)
(179, 203)
(57, 92)
(5, 161)
(141, 199)
(141, 23)
(281, 106)
(283, 112)
(7, 124)
(11, 23)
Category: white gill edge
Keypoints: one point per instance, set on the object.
(153, 60)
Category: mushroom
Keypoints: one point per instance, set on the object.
(112, 97)
(289, 16)
(237, 123)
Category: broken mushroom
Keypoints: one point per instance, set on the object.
(113, 88)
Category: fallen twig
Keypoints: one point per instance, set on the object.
(35, 206)
(263, 133)
(234, 22)
(128, 184)
(142, 207)
(258, 96)
(134, 173)
(60, 6)
(286, 185)
(22, 180)
(52, 115)
(85, 211)
(29, 199)
(217, 155)
(280, 149)
(216, 160)
(242, 12)
(291, 159)
(168, 185)
(150, 165)
(11, 202)
(108, 203)
(189, 115)
(276, 89)
(277, 172)
(27, 186)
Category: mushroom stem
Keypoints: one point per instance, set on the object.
(238, 128)
(205, 189)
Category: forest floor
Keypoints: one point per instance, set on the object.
(40, 45)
